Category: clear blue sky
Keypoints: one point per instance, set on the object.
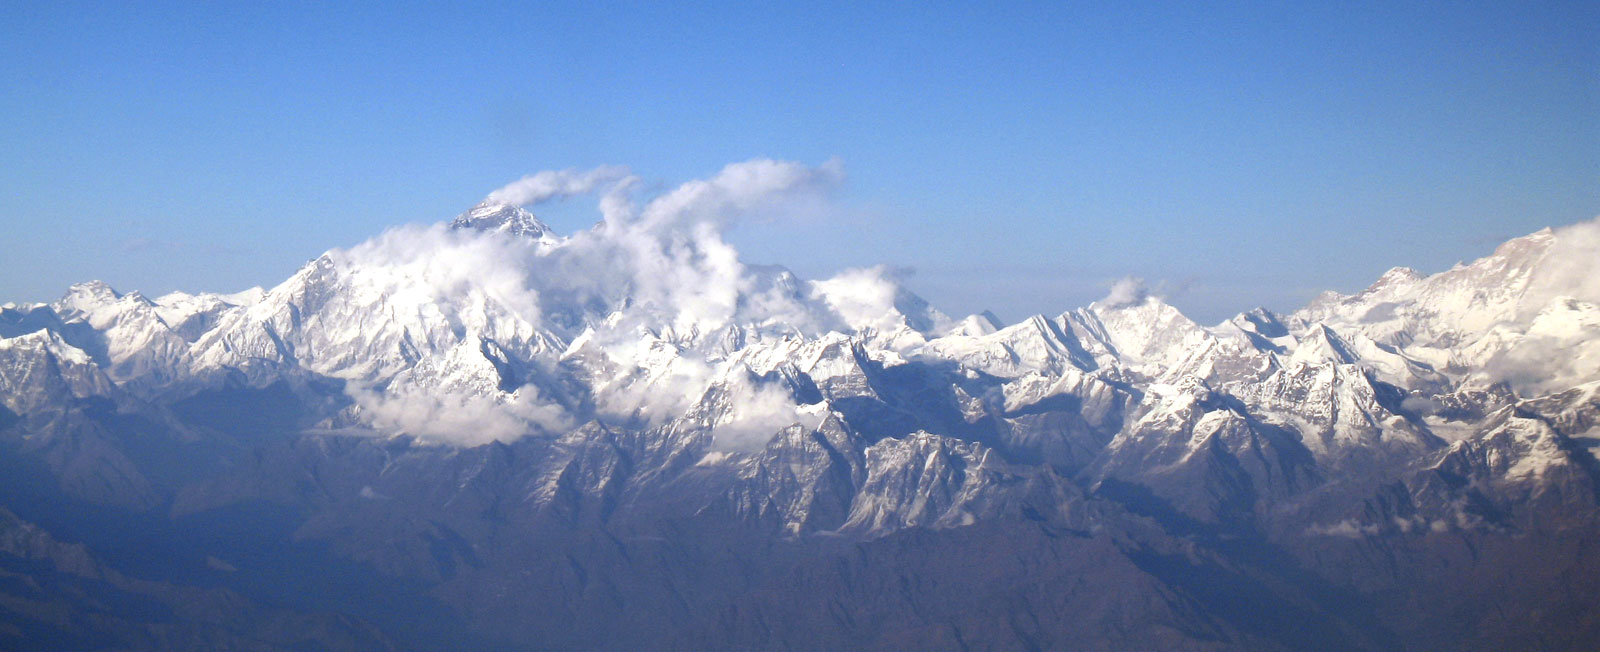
(1017, 157)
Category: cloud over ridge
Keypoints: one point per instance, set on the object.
(650, 289)
(556, 184)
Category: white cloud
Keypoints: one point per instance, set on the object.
(1559, 314)
(741, 189)
(1126, 291)
(1348, 528)
(759, 411)
(447, 269)
(1569, 268)
(864, 298)
(556, 184)
(643, 286)
(1421, 405)
(1540, 364)
(460, 418)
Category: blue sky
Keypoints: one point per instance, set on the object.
(1014, 157)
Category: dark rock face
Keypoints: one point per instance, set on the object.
(827, 539)
(55, 595)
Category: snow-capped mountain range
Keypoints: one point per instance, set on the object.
(435, 402)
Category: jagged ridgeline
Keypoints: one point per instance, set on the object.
(486, 435)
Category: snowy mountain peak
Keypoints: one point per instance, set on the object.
(498, 217)
(1532, 244)
(85, 297)
(1322, 344)
(1398, 276)
(979, 325)
(45, 341)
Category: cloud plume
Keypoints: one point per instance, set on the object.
(741, 189)
(646, 295)
(556, 184)
(1126, 291)
(1569, 268)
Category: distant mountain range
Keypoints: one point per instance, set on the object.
(482, 435)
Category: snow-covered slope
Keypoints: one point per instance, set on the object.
(450, 403)
(493, 327)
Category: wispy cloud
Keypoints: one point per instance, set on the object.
(1126, 291)
(556, 184)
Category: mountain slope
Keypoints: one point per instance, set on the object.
(626, 437)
